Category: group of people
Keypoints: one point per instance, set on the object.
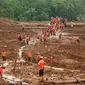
(23, 37)
(53, 27)
(42, 61)
(56, 23)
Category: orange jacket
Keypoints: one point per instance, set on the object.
(3, 53)
(44, 31)
(0, 71)
(29, 54)
(47, 33)
(41, 64)
(38, 36)
(58, 26)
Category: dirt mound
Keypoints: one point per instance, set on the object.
(7, 21)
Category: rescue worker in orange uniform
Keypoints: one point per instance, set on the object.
(41, 65)
(29, 55)
(43, 31)
(17, 35)
(1, 71)
(4, 55)
(38, 36)
(45, 37)
(77, 39)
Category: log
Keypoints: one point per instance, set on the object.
(71, 81)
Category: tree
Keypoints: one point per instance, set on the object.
(26, 10)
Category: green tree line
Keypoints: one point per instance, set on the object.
(39, 10)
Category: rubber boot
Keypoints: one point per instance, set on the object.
(41, 78)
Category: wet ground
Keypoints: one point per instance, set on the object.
(68, 55)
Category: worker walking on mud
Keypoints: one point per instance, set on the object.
(18, 36)
(38, 36)
(28, 39)
(29, 56)
(41, 65)
(4, 55)
(77, 39)
(1, 71)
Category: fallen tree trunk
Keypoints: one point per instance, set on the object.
(70, 81)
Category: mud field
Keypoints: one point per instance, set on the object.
(68, 66)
